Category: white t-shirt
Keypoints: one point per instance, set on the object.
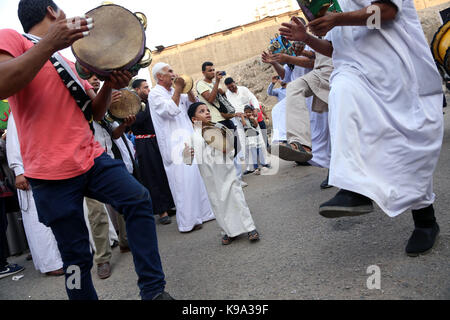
(242, 98)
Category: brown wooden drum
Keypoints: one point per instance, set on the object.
(117, 42)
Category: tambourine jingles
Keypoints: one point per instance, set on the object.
(117, 42)
(440, 46)
(129, 104)
(189, 83)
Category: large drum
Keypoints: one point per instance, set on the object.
(440, 47)
(117, 42)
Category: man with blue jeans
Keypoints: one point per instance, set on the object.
(104, 182)
(64, 167)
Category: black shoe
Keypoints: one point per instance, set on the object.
(248, 172)
(303, 164)
(163, 296)
(346, 204)
(422, 240)
(165, 220)
(324, 185)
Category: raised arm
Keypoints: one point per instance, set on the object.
(268, 58)
(321, 26)
(211, 96)
(12, 75)
(303, 62)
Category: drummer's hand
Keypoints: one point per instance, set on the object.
(119, 79)
(180, 83)
(64, 32)
(129, 121)
(116, 96)
(22, 183)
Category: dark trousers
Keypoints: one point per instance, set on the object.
(3, 227)
(60, 207)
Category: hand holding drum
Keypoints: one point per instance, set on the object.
(184, 83)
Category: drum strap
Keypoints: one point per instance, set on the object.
(71, 82)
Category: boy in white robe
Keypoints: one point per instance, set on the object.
(215, 161)
(386, 119)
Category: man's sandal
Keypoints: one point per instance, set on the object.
(253, 236)
(226, 240)
(288, 153)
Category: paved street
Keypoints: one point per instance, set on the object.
(300, 256)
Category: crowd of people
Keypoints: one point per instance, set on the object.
(99, 183)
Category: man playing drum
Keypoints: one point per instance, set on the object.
(62, 168)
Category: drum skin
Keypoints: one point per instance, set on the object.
(129, 104)
(116, 42)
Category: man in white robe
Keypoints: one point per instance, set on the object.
(386, 118)
(41, 241)
(173, 128)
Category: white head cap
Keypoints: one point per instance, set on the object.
(157, 68)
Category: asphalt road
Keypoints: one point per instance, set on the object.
(300, 256)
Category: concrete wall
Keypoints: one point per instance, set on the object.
(222, 48)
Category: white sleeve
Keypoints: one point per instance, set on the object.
(287, 74)
(13, 148)
(165, 108)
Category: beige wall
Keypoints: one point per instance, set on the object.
(222, 48)
(421, 4)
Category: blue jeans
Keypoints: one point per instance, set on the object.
(60, 207)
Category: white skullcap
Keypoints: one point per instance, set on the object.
(157, 68)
